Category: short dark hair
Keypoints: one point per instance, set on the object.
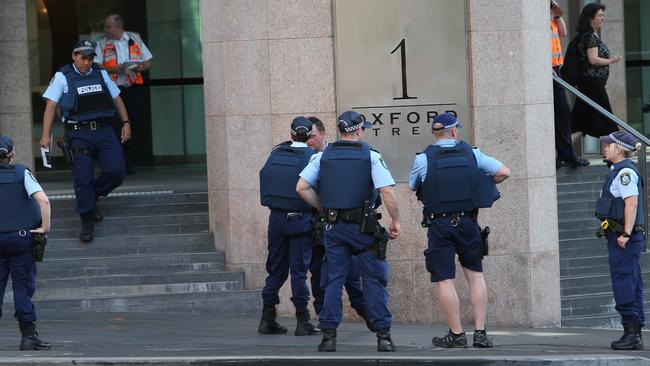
(318, 123)
(586, 15)
(5, 160)
(300, 137)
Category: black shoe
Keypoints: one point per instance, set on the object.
(328, 344)
(87, 227)
(578, 162)
(559, 164)
(97, 215)
(631, 339)
(268, 324)
(30, 340)
(384, 343)
(303, 326)
(481, 340)
(451, 340)
(364, 315)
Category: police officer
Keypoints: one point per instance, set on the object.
(26, 211)
(348, 174)
(622, 214)
(318, 265)
(290, 226)
(88, 99)
(454, 180)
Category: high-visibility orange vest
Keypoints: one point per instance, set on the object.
(110, 60)
(556, 47)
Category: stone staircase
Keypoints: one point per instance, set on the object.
(586, 291)
(150, 253)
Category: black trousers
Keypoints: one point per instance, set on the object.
(563, 145)
(134, 100)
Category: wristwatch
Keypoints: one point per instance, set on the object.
(127, 121)
(625, 234)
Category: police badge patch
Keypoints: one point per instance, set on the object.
(383, 163)
(29, 173)
(625, 178)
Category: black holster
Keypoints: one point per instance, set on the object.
(485, 248)
(64, 145)
(317, 231)
(381, 242)
(38, 246)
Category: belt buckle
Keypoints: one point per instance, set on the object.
(92, 125)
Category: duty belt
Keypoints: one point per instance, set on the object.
(289, 214)
(87, 125)
(351, 216)
(453, 216)
(617, 227)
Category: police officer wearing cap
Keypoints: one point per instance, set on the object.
(348, 174)
(25, 212)
(290, 226)
(318, 265)
(88, 99)
(622, 214)
(454, 180)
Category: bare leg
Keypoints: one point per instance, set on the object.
(450, 305)
(477, 297)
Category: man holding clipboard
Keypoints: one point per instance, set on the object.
(125, 56)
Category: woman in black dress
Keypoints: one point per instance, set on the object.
(595, 58)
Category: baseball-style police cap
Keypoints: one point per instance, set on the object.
(85, 48)
(6, 146)
(620, 138)
(447, 120)
(301, 125)
(351, 121)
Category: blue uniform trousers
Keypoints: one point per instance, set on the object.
(341, 240)
(103, 146)
(16, 260)
(627, 282)
(318, 269)
(289, 252)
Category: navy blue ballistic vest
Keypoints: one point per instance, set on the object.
(19, 212)
(454, 182)
(88, 97)
(345, 175)
(608, 207)
(279, 176)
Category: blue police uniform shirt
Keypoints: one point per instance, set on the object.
(487, 164)
(59, 85)
(381, 177)
(625, 184)
(31, 184)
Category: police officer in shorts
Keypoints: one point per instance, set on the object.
(89, 100)
(454, 180)
(25, 214)
(622, 213)
(289, 231)
(350, 177)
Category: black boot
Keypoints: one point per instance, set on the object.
(328, 344)
(97, 215)
(384, 343)
(87, 227)
(30, 340)
(631, 339)
(268, 324)
(364, 314)
(303, 326)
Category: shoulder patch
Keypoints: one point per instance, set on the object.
(383, 163)
(31, 175)
(625, 178)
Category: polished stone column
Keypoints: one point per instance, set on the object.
(264, 63)
(15, 99)
(512, 109)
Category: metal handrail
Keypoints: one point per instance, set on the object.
(644, 140)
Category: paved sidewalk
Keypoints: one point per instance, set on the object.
(169, 339)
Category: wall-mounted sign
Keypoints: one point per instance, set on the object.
(400, 63)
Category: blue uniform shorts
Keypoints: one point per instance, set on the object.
(446, 240)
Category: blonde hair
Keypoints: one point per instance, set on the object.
(629, 153)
